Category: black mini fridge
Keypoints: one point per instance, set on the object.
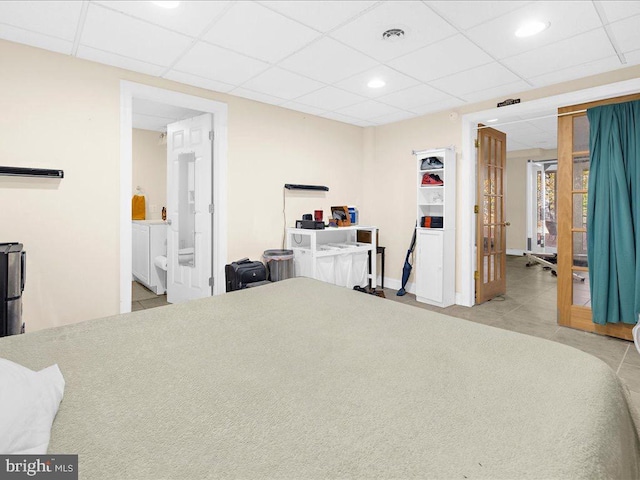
(12, 276)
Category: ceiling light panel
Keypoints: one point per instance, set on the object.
(134, 39)
(562, 16)
(421, 26)
(328, 61)
(219, 64)
(190, 18)
(57, 19)
(531, 28)
(258, 32)
(319, 14)
(452, 55)
(394, 81)
(283, 84)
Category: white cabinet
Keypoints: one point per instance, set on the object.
(333, 255)
(149, 241)
(435, 237)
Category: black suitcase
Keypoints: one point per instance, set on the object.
(243, 273)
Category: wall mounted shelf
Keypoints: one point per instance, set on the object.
(31, 172)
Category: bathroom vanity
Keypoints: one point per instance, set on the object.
(149, 242)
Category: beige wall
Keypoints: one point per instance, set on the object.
(149, 165)
(62, 112)
(516, 193)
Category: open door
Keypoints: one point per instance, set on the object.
(491, 243)
(189, 209)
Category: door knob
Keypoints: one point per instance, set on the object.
(168, 221)
(506, 224)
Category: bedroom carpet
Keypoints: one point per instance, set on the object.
(530, 307)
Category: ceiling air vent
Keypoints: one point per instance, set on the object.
(393, 34)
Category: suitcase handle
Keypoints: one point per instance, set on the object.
(243, 260)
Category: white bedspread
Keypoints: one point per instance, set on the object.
(301, 379)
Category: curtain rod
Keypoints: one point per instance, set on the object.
(554, 115)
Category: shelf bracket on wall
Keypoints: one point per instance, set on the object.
(31, 172)
(292, 186)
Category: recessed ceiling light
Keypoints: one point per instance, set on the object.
(167, 4)
(376, 83)
(393, 34)
(493, 120)
(531, 28)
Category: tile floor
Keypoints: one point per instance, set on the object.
(530, 307)
(143, 298)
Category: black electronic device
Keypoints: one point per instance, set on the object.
(294, 186)
(243, 273)
(310, 224)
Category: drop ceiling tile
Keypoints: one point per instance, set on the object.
(56, 19)
(282, 84)
(469, 13)
(394, 81)
(421, 26)
(257, 96)
(147, 122)
(548, 124)
(577, 71)
(439, 106)
(198, 81)
(368, 110)
(617, 10)
(118, 33)
(449, 56)
(345, 119)
(218, 64)
(258, 32)
(300, 107)
(501, 92)
(588, 47)
(412, 96)
(327, 61)
(189, 18)
(19, 35)
(484, 77)
(568, 19)
(513, 146)
(319, 14)
(115, 60)
(330, 98)
(162, 110)
(393, 117)
(627, 33)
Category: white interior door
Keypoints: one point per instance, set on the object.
(535, 207)
(189, 209)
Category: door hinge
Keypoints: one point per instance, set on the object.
(211, 208)
(476, 275)
(210, 134)
(476, 209)
(476, 143)
(211, 281)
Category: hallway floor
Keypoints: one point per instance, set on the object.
(143, 298)
(530, 307)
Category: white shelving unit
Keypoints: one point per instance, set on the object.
(333, 255)
(435, 246)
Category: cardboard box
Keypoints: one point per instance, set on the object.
(364, 236)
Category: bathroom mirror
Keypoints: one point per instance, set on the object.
(186, 209)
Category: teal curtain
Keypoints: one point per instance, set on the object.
(613, 212)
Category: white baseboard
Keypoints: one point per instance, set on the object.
(395, 284)
(515, 251)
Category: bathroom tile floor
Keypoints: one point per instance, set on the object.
(143, 298)
(529, 307)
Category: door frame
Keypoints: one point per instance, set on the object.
(129, 91)
(466, 258)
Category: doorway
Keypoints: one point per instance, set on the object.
(128, 92)
(542, 206)
(466, 255)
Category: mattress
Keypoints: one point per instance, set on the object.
(302, 379)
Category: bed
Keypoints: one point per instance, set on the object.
(302, 379)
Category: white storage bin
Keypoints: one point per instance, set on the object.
(326, 266)
(303, 263)
(359, 269)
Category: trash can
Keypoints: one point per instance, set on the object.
(279, 264)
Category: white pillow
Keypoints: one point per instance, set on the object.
(29, 402)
